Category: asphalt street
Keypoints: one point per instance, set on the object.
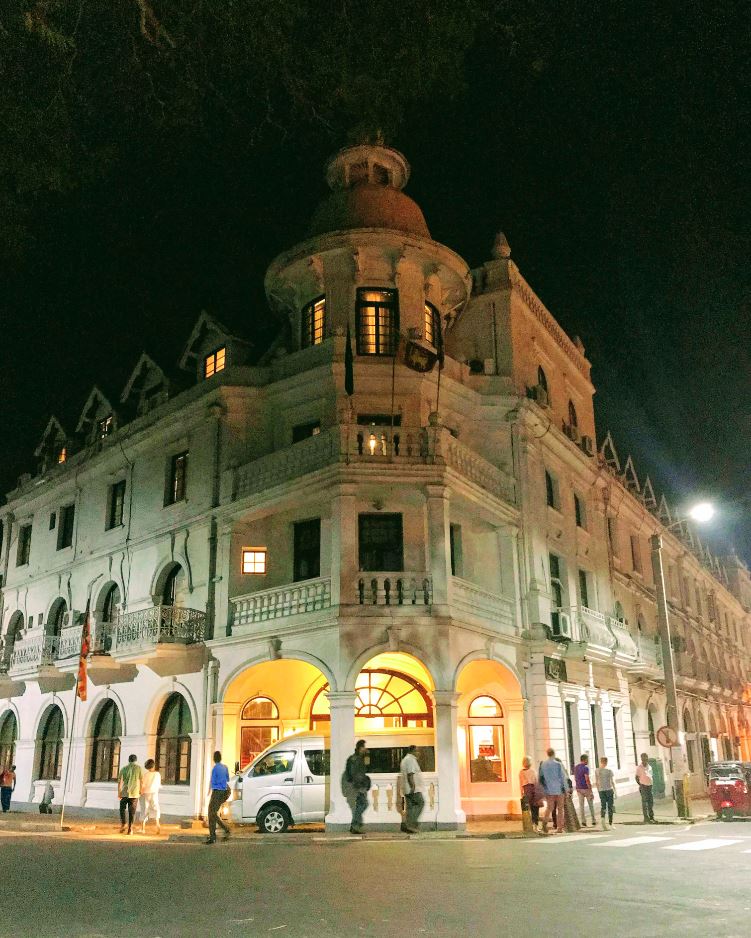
(634, 881)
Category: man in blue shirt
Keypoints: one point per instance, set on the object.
(553, 780)
(219, 793)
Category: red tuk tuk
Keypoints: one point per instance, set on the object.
(730, 789)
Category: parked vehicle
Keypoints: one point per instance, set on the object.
(730, 789)
(289, 782)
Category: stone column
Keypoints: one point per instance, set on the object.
(344, 563)
(439, 552)
(342, 742)
(450, 813)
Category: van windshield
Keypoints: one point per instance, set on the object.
(274, 763)
(726, 771)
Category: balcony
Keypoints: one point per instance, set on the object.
(648, 658)
(480, 603)
(32, 653)
(167, 639)
(406, 590)
(371, 446)
(289, 600)
(596, 635)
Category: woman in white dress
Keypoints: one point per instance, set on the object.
(150, 785)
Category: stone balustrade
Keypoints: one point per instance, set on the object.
(393, 589)
(467, 597)
(289, 600)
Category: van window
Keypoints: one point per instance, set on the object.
(274, 763)
(388, 759)
(319, 761)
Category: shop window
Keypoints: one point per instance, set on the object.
(254, 560)
(173, 741)
(307, 550)
(51, 746)
(381, 545)
(8, 735)
(377, 322)
(177, 472)
(259, 729)
(115, 504)
(214, 362)
(105, 756)
(65, 528)
(24, 545)
(486, 740)
(313, 323)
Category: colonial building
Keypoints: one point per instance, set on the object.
(313, 540)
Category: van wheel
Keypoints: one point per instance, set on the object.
(273, 819)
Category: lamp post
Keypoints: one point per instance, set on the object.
(701, 513)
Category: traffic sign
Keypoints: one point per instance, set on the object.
(667, 737)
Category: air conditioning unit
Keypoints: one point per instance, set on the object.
(539, 395)
(561, 626)
(587, 445)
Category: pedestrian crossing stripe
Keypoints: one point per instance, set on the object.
(565, 838)
(711, 843)
(632, 841)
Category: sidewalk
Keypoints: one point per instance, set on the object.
(628, 810)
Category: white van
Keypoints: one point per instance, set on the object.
(289, 783)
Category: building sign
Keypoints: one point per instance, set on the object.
(555, 669)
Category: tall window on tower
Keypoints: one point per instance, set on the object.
(313, 322)
(432, 325)
(377, 316)
(177, 471)
(214, 362)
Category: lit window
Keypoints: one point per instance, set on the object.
(62, 455)
(105, 426)
(177, 470)
(377, 322)
(312, 323)
(486, 739)
(485, 707)
(432, 325)
(214, 362)
(254, 560)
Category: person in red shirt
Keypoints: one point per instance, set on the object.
(7, 784)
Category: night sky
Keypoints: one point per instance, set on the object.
(612, 147)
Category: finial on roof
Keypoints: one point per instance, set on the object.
(501, 247)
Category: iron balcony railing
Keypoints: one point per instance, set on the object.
(155, 626)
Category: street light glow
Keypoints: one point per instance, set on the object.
(702, 512)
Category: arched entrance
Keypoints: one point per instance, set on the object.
(490, 738)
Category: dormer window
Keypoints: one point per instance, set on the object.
(214, 362)
(105, 426)
(62, 455)
(377, 317)
(432, 325)
(313, 323)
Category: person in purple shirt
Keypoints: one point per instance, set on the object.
(584, 789)
(219, 793)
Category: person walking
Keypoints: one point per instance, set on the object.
(359, 783)
(553, 780)
(528, 788)
(150, 785)
(129, 789)
(645, 781)
(7, 786)
(584, 789)
(414, 791)
(218, 794)
(605, 781)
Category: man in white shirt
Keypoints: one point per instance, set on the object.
(414, 791)
(151, 782)
(645, 780)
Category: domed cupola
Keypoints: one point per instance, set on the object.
(366, 183)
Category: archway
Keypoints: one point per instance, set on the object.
(8, 737)
(13, 633)
(490, 738)
(56, 617)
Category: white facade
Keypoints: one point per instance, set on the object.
(401, 541)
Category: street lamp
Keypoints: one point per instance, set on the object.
(700, 513)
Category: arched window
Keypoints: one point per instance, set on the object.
(51, 745)
(542, 380)
(173, 741)
(572, 418)
(432, 325)
(620, 615)
(15, 627)
(110, 602)
(105, 756)
(260, 728)
(651, 727)
(8, 735)
(313, 323)
(56, 617)
(384, 699)
(486, 738)
(171, 588)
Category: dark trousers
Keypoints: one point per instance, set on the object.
(358, 809)
(5, 793)
(606, 804)
(647, 802)
(529, 801)
(215, 802)
(130, 804)
(415, 803)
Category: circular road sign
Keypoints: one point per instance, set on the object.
(667, 736)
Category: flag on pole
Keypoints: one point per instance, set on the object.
(82, 684)
(416, 356)
(349, 374)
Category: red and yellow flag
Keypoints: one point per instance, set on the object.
(82, 661)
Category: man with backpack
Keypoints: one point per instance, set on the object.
(358, 780)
